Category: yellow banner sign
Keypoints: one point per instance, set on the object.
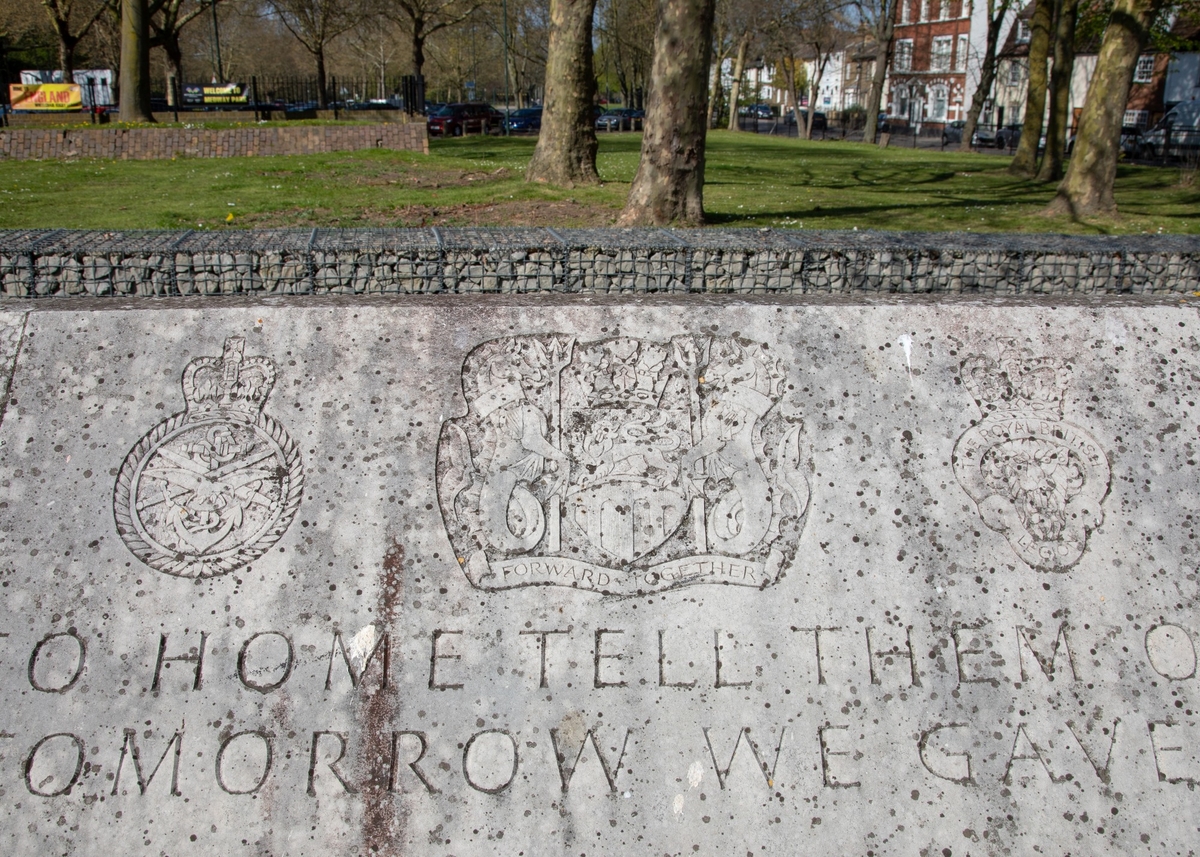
(44, 97)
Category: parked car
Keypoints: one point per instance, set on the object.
(820, 121)
(985, 135)
(622, 118)
(952, 132)
(1176, 134)
(759, 111)
(1131, 141)
(1009, 136)
(525, 119)
(458, 119)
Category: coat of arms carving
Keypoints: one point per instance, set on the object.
(622, 465)
(215, 486)
(1036, 479)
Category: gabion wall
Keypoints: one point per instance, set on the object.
(59, 263)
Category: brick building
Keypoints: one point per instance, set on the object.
(935, 61)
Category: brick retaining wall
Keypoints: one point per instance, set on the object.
(45, 263)
(160, 143)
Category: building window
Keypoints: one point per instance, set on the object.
(1136, 118)
(944, 10)
(900, 101)
(1016, 73)
(939, 56)
(1144, 72)
(904, 13)
(1022, 32)
(960, 59)
(939, 103)
(904, 52)
(924, 10)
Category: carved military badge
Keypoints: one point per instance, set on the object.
(1037, 480)
(622, 465)
(214, 487)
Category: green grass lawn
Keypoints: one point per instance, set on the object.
(752, 181)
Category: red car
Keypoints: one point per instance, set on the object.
(454, 120)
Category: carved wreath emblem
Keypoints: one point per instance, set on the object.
(623, 465)
(1037, 480)
(214, 487)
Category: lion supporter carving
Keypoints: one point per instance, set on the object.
(622, 465)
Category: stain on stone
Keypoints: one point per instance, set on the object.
(382, 823)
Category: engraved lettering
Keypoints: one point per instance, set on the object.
(542, 635)
(959, 652)
(244, 670)
(1101, 771)
(312, 762)
(130, 748)
(723, 773)
(489, 755)
(1171, 652)
(566, 770)
(195, 656)
(363, 647)
(34, 660)
(268, 753)
(36, 782)
(720, 682)
(435, 656)
(1188, 772)
(940, 766)
(1026, 636)
(828, 776)
(888, 655)
(816, 632)
(1034, 756)
(662, 669)
(422, 748)
(597, 682)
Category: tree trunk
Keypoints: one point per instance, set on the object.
(1024, 162)
(322, 89)
(669, 184)
(418, 46)
(818, 73)
(566, 146)
(788, 64)
(1087, 188)
(714, 92)
(1051, 169)
(987, 71)
(135, 62)
(174, 66)
(735, 88)
(884, 36)
(66, 56)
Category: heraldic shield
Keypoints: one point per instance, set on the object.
(622, 465)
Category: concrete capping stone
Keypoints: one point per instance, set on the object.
(65, 262)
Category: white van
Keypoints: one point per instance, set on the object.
(1176, 134)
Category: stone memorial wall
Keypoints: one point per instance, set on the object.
(553, 574)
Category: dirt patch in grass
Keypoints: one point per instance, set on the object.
(567, 213)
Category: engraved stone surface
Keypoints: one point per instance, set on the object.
(554, 575)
